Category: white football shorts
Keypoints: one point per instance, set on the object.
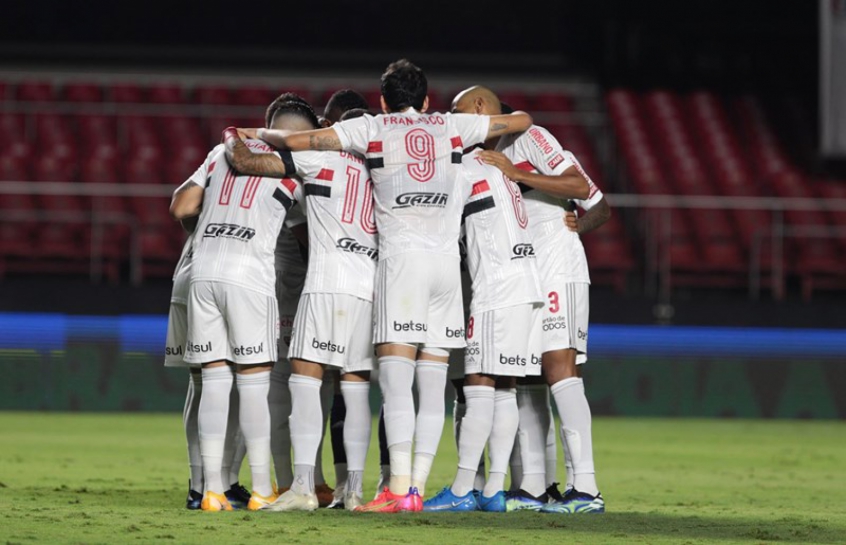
(334, 329)
(227, 322)
(498, 342)
(565, 317)
(418, 301)
(177, 329)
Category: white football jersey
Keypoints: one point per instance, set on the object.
(237, 231)
(414, 161)
(559, 250)
(342, 246)
(500, 255)
(182, 273)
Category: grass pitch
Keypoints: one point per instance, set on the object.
(114, 478)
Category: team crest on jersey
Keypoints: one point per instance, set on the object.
(555, 161)
(424, 200)
(350, 245)
(522, 250)
(229, 230)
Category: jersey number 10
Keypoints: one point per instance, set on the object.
(351, 200)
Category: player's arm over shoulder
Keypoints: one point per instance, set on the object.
(187, 200)
(318, 139)
(246, 161)
(509, 123)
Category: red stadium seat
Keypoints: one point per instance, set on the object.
(552, 102)
(35, 91)
(126, 93)
(518, 100)
(166, 94)
(254, 96)
(216, 95)
(83, 92)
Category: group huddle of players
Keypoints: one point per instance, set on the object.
(361, 237)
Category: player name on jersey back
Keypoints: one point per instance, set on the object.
(239, 225)
(341, 228)
(500, 255)
(414, 161)
(560, 251)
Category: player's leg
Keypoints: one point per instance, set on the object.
(400, 317)
(500, 444)
(279, 402)
(207, 345)
(192, 435)
(234, 451)
(533, 414)
(306, 420)
(338, 413)
(252, 319)
(568, 390)
(355, 388)
(384, 455)
(445, 320)
(551, 459)
(325, 493)
(177, 330)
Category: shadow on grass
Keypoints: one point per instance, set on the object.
(632, 525)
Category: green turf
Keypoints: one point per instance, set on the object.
(95, 478)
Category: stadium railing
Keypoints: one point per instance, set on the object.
(653, 210)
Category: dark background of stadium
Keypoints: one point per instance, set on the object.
(722, 44)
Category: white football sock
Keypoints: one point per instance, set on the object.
(279, 402)
(233, 437)
(211, 423)
(576, 422)
(255, 426)
(457, 414)
(396, 378)
(326, 395)
(303, 479)
(431, 384)
(354, 484)
(501, 442)
(568, 462)
(306, 422)
(192, 433)
(357, 424)
(534, 424)
(551, 456)
(477, 423)
(516, 464)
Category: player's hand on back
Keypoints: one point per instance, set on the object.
(500, 161)
(247, 134)
(571, 221)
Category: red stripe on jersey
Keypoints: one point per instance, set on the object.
(374, 147)
(326, 174)
(211, 166)
(480, 187)
(525, 166)
(456, 142)
(289, 184)
(228, 185)
(250, 191)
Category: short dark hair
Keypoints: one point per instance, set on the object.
(506, 109)
(343, 101)
(404, 86)
(293, 104)
(352, 114)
